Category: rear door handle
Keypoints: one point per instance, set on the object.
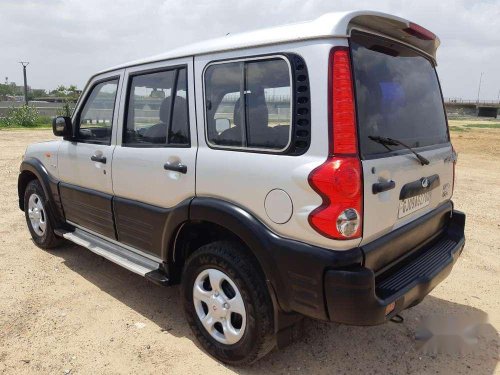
(383, 186)
(98, 159)
(181, 168)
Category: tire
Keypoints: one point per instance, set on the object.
(37, 213)
(229, 264)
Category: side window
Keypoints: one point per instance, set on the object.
(96, 118)
(157, 110)
(248, 104)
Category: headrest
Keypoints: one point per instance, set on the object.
(180, 106)
(257, 112)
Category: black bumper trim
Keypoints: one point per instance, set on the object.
(424, 266)
(382, 252)
(355, 296)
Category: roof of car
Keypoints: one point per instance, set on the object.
(326, 26)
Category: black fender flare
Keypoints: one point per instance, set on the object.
(295, 270)
(50, 187)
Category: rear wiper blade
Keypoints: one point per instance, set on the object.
(394, 142)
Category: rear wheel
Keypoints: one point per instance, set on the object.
(37, 216)
(227, 303)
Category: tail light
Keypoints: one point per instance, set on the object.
(339, 180)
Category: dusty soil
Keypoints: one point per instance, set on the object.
(70, 311)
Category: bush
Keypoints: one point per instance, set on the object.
(25, 116)
(66, 109)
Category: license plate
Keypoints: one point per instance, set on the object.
(410, 205)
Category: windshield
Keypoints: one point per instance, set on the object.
(397, 94)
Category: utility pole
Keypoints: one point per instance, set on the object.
(25, 64)
(479, 88)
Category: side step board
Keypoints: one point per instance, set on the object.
(128, 259)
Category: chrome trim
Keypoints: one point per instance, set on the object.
(236, 148)
(132, 249)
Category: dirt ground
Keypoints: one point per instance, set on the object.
(71, 311)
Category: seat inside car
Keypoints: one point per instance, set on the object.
(259, 133)
(158, 133)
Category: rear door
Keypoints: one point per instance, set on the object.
(85, 162)
(154, 160)
(398, 96)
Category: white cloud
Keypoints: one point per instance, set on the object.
(68, 40)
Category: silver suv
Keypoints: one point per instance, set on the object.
(304, 170)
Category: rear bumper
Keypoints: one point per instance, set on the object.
(359, 296)
(355, 286)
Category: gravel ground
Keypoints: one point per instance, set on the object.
(70, 311)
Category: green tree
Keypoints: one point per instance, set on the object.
(7, 90)
(37, 93)
(61, 89)
(71, 92)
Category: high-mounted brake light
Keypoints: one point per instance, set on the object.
(420, 32)
(339, 180)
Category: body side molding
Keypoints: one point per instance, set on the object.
(147, 227)
(88, 208)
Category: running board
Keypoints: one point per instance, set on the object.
(123, 257)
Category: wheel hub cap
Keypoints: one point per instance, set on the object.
(219, 306)
(36, 214)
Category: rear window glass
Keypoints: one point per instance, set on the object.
(397, 94)
(248, 104)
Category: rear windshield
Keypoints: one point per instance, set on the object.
(397, 94)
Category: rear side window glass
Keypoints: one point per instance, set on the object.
(248, 104)
(96, 118)
(157, 110)
(397, 94)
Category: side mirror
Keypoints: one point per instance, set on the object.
(222, 124)
(62, 127)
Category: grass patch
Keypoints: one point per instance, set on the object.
(16, 128)
(40, 122)
(457, 129)
(40, 125)
(484, 126)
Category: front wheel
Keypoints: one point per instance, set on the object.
(37, 216)
(227, 303)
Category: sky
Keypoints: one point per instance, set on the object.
(66, 41)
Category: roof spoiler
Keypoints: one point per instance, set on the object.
(397, 28)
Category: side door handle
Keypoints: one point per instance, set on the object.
(181, 168)
(383, 186)
(98, 159)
